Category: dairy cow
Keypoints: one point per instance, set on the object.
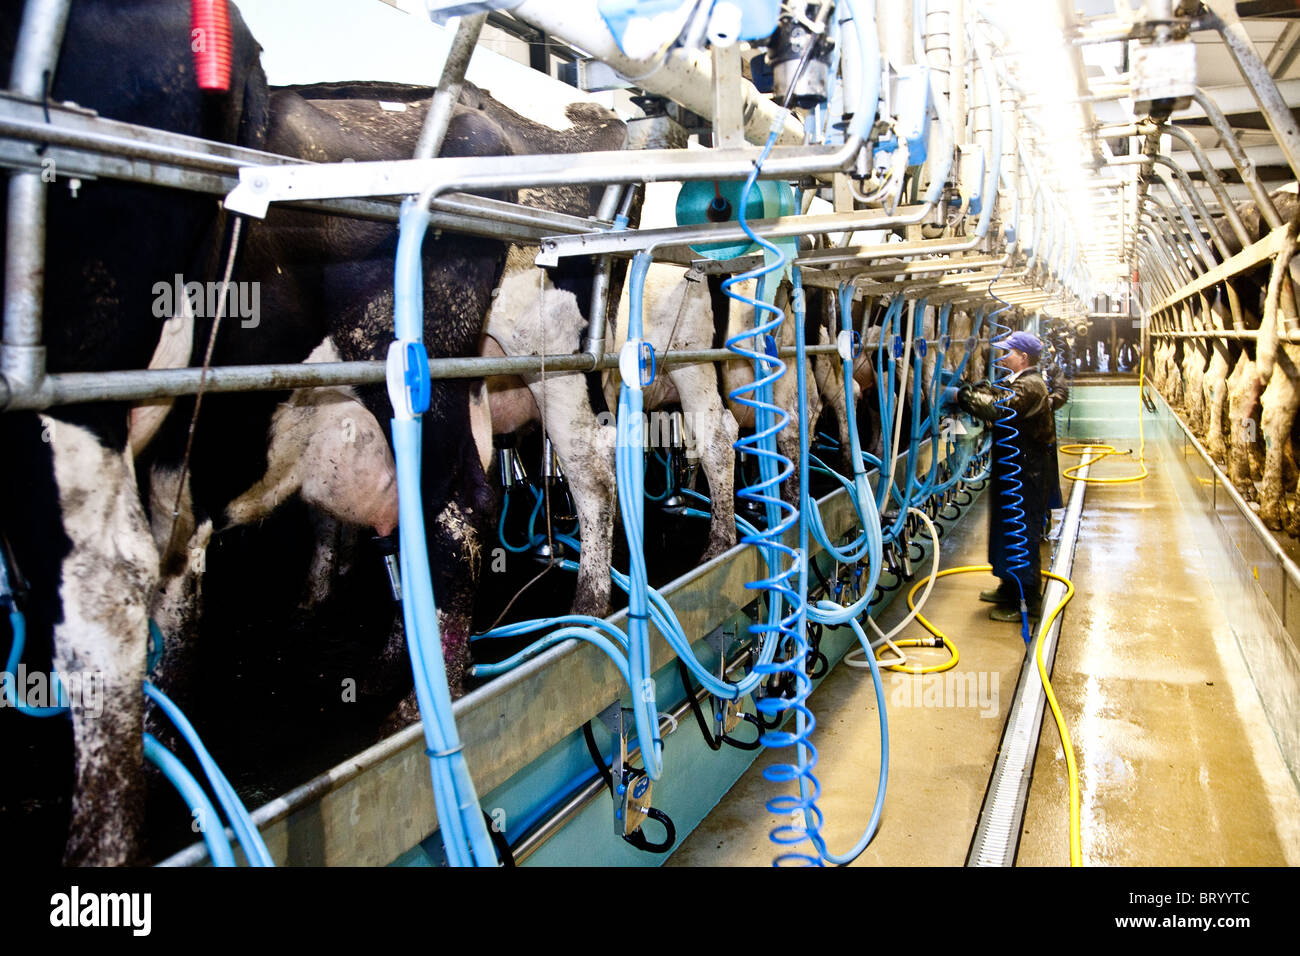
(69, 506)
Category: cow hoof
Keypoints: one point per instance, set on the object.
(589, 605)
(405, 714)
(717, 547)
(1269, 515)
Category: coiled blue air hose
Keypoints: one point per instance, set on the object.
(1012, 502)
(827, 612)
(786, 582)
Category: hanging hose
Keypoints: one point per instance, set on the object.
(250, 840)
(201, 808)
(173, 769)
(532, 522)
(786, 582)
(464, 834)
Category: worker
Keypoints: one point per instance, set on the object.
(1014, 538)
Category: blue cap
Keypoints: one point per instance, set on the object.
(1025, 342)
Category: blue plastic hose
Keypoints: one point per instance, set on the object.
(464, 832)
(200, 806)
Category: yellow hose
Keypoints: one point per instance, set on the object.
(1102, 451)
(1072, 769)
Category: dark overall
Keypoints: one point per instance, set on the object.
(1030, 414)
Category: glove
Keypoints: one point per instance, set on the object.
(949, 397)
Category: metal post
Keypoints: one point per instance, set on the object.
(595, 345)
(22, 361)
(449, 86)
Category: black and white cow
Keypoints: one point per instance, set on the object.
(69, 506)
(342, 273)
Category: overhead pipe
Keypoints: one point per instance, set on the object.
(1181, 252)
(1245, 168)
(1216, 183)
(1189, 219)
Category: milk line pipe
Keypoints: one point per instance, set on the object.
(1242, 49)
(36, 56)
(683, 75)
(1245, 168)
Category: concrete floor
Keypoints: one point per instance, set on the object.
(1177, 763)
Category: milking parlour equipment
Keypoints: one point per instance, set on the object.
(896, 134)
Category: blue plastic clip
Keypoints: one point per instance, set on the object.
(921, 346)
(898, 346)
(418, 383)
(646, 364)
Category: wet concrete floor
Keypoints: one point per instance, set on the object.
(1177, 763)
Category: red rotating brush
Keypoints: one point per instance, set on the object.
(210, 41)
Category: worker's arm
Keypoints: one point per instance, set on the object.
(990, 403)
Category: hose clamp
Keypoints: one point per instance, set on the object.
(636, 364)
(409, 382)
(849, 344)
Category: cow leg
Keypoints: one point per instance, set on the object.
(1280, 400)
(711, 433)
(1243, 429)
(1216, 393)
(104, 587)
(586, 452)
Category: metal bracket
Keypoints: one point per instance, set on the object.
(726, 713)
(632, 786)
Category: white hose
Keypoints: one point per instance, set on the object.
(861, 661)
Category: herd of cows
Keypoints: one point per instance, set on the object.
(110, 512)
(1239, 396)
